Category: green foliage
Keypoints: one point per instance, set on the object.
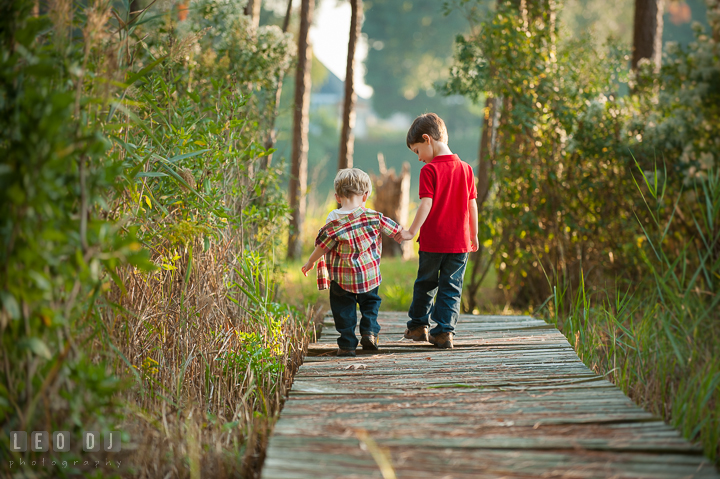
(568, 137)
(562, 147)
(128, 141)
(660, 341)
(202, 90)
(254, 356)
(595, 186)
(59, 251)
(685, 123)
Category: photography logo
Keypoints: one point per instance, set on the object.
(39, 441)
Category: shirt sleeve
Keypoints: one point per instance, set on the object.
(427, 182)
(471, 180)
(388, 226)
(325, 240)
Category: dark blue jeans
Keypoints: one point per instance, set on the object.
(343, 304)
(441, 274)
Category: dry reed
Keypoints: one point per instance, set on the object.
(190, 410)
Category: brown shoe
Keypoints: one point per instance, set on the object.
(346, 352)
(369, 342)
(442, 340)
(417, 334)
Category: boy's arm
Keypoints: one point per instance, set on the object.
(420, 217)
(472, 206)
(319, 251)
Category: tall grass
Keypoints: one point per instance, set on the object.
(139, 220)
(660, 340)
(212, 358)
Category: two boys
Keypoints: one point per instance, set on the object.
(447, 220)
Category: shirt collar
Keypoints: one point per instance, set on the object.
(441, 158)
(356, 213)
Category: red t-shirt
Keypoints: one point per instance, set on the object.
(450, 182)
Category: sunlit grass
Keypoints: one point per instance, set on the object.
(659, 340)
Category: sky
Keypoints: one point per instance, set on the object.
(329, 38)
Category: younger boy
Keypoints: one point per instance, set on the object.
(447, 219)
(351, 240)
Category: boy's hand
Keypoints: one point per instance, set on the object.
(474, 243)
(403, 235)
(307, 267)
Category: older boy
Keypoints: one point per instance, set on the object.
(351, 240)
(447, 219)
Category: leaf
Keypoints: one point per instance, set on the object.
(144, 71)
(40, 280)
(10, 304)
(147, 200)
(187, 155)
(150, 174)
(37, 346)
(141, 124)
(167, 166)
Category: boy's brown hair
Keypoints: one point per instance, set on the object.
(427, 124)
(352, 181)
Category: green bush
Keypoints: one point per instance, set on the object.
(133, 183)
(59, 250)
(659, 340)
(605, 203)
(564, 174)
(562, 190)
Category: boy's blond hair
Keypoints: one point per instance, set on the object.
(352, 181)
(428, 124)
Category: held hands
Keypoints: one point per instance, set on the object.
(403, 235)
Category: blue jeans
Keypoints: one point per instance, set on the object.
(441, 274)
(342, 304)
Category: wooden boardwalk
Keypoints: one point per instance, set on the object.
(512, 400)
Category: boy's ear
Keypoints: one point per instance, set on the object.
(366, 195)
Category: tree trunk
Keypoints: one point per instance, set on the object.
(252, 10)
(392, 198)
(266, 160)
(347, 140)
(647, 34)
(478, 263)
(485, 154)
(298, 175)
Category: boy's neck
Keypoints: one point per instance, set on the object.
(352, 202)
(440, 149)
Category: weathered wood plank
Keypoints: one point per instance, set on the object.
(511, 400)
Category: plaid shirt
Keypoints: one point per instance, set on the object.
(353, 247)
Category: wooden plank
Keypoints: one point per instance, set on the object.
(511, 400)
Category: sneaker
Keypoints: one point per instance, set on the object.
(369, 342)
(442, 340)
(346, 352)
(417, 334)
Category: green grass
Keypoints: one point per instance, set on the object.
(660, 340)
(665, 361)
